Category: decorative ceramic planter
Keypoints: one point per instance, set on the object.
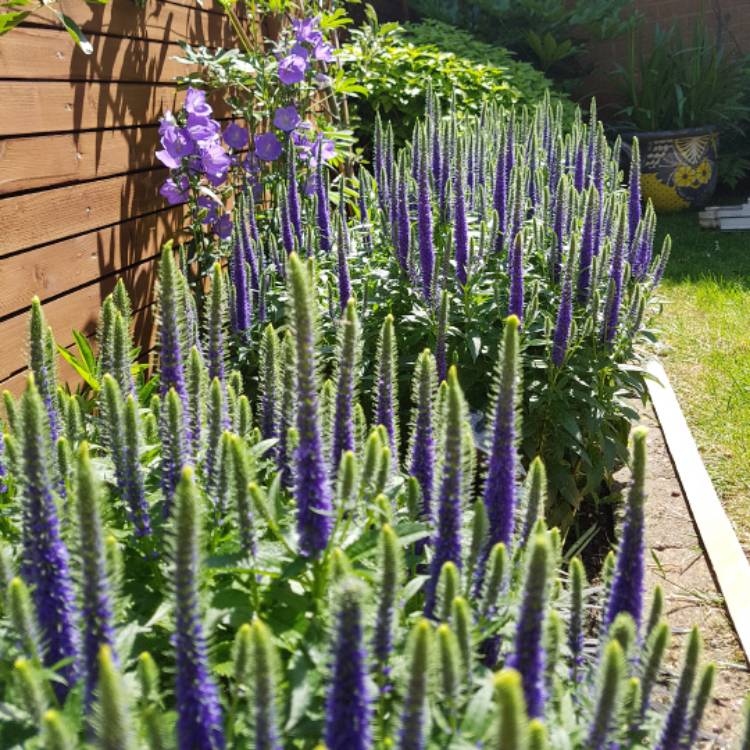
(678, 167)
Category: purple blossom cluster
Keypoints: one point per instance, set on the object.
(194, 147)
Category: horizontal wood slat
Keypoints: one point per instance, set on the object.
(45, 161)
(144, 336)
(48, 54)
(57, 268)
(37, 218)
(158, 21)
(51, 106)
(78, 310)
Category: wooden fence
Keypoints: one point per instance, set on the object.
(79, 201)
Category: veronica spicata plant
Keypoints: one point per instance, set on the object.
(237, 624)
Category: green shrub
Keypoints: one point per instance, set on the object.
(394, 72)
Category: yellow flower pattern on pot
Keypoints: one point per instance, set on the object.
(678, 172)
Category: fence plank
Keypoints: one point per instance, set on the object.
(78, 310)
(34, 219)
(158, 21)
(48, 54)
(45, 161)
(54, 107)
(54, 269)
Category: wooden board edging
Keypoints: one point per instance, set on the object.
(723, 550)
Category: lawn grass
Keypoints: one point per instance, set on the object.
(705, 329)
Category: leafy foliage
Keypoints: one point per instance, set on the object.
(675, 83)
(391, 68)
(284, 628)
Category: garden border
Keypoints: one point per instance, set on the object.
(723, 550)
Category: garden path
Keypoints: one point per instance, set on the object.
(676, 561)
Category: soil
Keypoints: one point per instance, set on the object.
(676, 561)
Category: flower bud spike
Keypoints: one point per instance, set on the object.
(97, 604)
(240, 477)
(55, 732)
(422, 451)
(42, 363)
(174, 448)
(414, 711)
(449, 587)
(479, 529)
(626, 594)
(28, 680)
(199, 722)
(346, 378)
(269, 369)
(386, 396)
(113, 726)
(535, 498)
(512, 721)
(447, 543)
(578, 584)
(171, 326)
(449, 663)
(537, 735)
(500, 485)
(389, 585)
(609, 691)
(675, 724)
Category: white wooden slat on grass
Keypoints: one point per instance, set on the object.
(725, 555)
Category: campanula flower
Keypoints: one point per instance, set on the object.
(286, 118)
(235, 136)
(196, 104)
(292, 69)
(267, 146)
(175, 192)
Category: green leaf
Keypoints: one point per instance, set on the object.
(79, 367)
(76, 34)
(10, 20)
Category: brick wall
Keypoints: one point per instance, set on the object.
(730, 19)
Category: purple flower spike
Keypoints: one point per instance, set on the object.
(342, 247)
(199, 721)
(422, 465)
(321, 194)
(386, 412)
(614, 300)
(500, 198)
(45, 562)
(564, 314)
(403, 224)
(516, 302)
(528, 651)
(448, 539)
(171, 327)
(634, 186)
(312, 489)
(460, 227)
(97, 614)
(588, 242)
(346, 380)
(626, 594)
(424, 225)
(348, 709)
(500, 493)
(292, 196)
(242, 303)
